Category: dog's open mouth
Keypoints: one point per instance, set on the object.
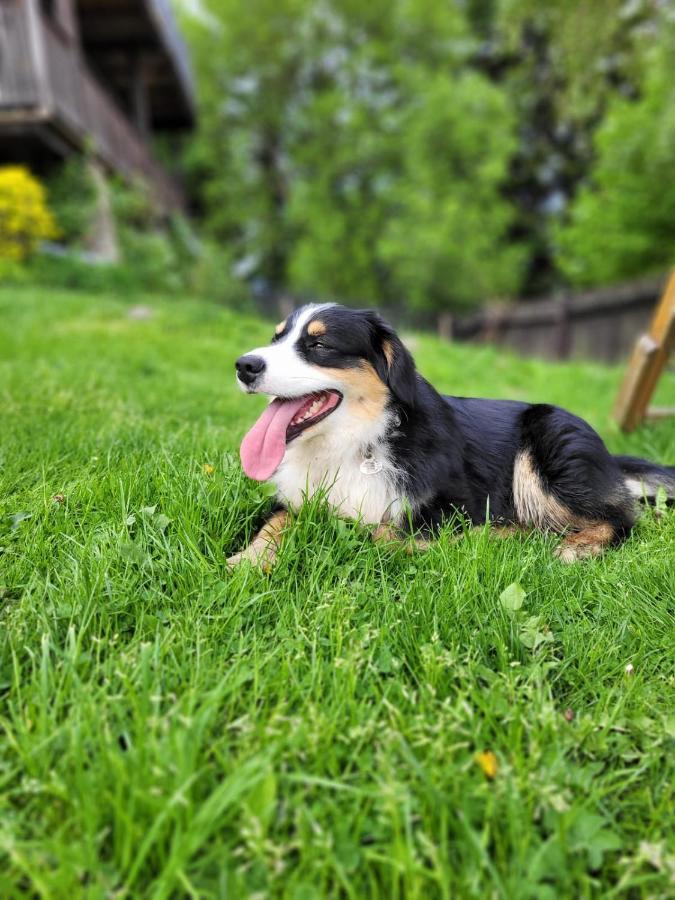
(263, 448)
(315, 408)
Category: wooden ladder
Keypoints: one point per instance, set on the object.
(646, 365)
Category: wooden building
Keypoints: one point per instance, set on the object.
(100, 75)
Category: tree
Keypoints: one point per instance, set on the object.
(622, 223)
(560, 63)
(248, 58)
(311, 151)
(447, 240)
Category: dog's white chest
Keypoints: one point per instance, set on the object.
(356, 486)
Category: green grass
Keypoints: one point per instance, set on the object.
(170, 729)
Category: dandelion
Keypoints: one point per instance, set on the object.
(487, 763)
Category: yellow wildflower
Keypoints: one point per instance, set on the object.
(25, 218)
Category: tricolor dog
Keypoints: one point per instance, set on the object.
(351, 416)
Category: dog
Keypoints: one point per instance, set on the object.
(353, 418)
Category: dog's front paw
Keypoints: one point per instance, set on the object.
(386, 534)
(260, 555)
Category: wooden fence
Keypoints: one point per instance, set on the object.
(600, 324)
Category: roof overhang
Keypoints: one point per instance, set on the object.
(114, 31)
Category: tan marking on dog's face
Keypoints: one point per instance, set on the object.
(388, 350)
(281, 326)
(590, 541)
(363, 389)
(536, 506)
(316, 328)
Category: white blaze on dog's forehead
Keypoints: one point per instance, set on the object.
(303, 315)
(286, 373)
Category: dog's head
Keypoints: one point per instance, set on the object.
(334, 372)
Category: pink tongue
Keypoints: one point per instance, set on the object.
(264, 446)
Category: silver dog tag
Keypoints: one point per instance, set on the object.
(370, 466)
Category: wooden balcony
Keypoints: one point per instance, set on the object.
(46, 85)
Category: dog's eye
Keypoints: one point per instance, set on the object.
(317, 345)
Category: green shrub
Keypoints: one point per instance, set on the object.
(158, 254)
(161, 253)
(209, 276)
(72, 196)
(72, 273)
(212, 277)
(151, 257)
(622, 223)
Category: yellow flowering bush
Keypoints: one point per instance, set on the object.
(25, 218)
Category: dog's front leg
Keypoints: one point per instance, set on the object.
(385, 533)
(262, 551)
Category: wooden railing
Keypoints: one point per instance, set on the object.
(19, 84)
(39, 71)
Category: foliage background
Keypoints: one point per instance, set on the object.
(441, 153)
(421, 154)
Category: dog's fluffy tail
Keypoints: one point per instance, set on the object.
(644, 478)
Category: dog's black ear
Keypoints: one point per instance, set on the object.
(394, 363)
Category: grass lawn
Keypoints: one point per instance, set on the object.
(169, 728)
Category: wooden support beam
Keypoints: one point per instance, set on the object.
(140, 101)
(647, 363)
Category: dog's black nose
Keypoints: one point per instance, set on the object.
(249, 367)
